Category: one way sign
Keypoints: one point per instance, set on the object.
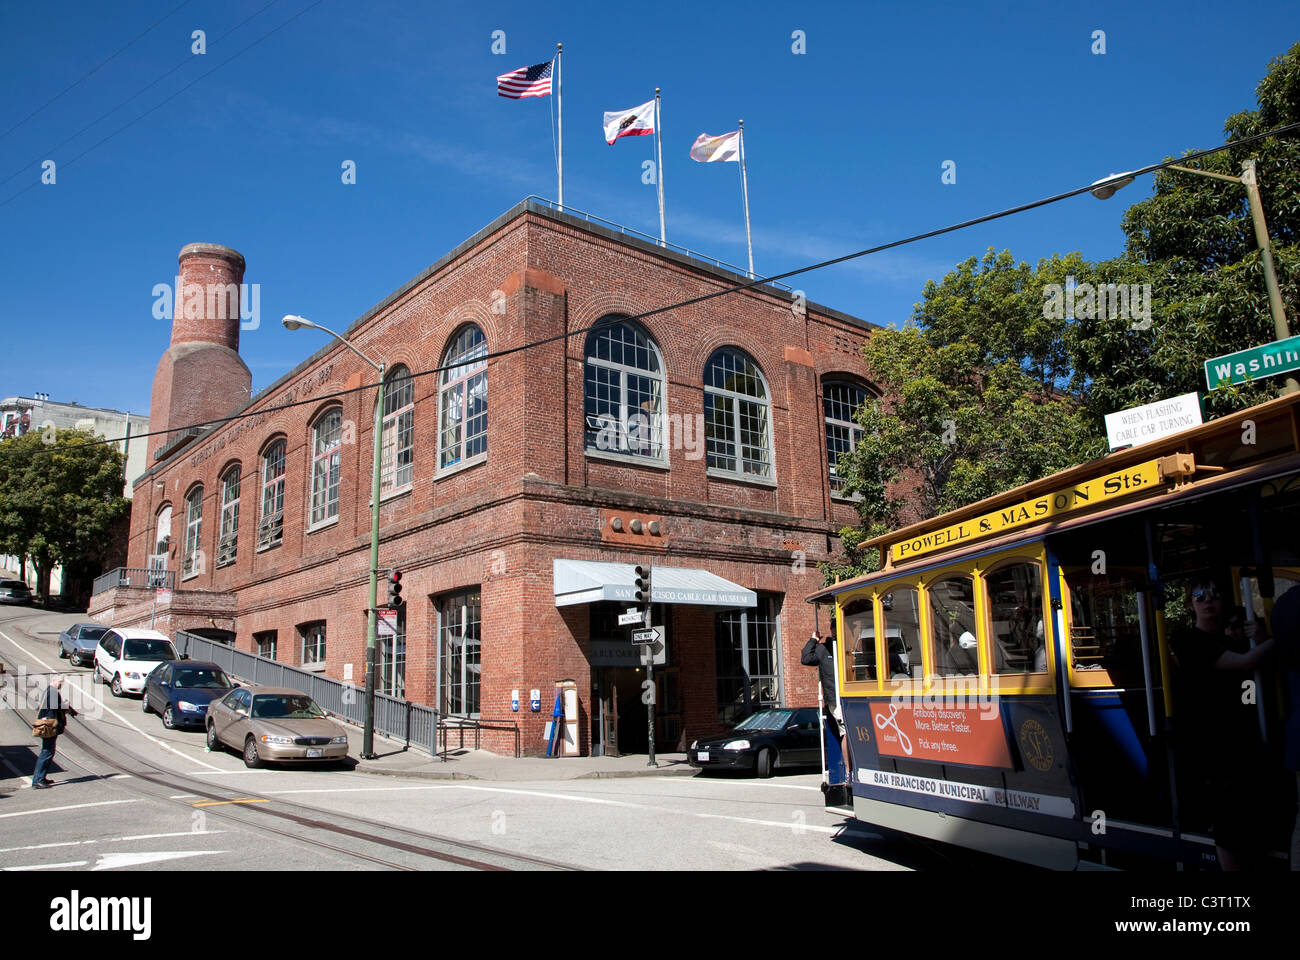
(649, 635)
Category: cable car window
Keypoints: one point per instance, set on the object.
(1104, 632)
(952, 615)
(859, 640)
(1016, 617)
(900, 618)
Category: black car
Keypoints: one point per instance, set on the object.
(180, 691)
(14, 591)
(780, 737)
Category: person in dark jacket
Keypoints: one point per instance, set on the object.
(817, 652)
(1286, 628)
(55, 705)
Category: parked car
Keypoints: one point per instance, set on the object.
(125, 657)
(78, 643)
(763, 742)
(274, 724)
(181, 691)
(14, 591)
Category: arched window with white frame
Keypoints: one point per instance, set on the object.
(624, 391)
(462, 399)
(737, 415)
(397, 439)
(327, 438)
(193, 562)
(270, 524)
(228, 540)
(840, 400)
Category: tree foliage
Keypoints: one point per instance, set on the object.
(60, 502)
(987, 388)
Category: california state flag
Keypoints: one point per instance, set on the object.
(635, 122)
(707, 149)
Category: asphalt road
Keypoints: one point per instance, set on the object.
(133, 796)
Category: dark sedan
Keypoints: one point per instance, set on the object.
(78, 642)
(763, 742)
(180, 691)
(14, 591)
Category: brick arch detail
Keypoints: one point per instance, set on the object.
(601, 303)
(832, 369)
(729, 337)
(270, 442)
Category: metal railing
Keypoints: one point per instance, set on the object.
(693, 254)
(413, 723)
(143, 577)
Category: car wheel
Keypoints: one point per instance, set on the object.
(144, 703)
(251, 759)
(63, 654)
(94, 674)
(214, 742)
(169, 718)
(116, 686)
(763, 765)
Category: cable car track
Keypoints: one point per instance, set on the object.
(311, 818)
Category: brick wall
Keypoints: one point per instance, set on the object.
(497, 524)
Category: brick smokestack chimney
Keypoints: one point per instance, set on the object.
(201, 376)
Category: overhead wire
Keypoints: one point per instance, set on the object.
(734, 288)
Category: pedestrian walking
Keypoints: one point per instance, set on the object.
(54, 706)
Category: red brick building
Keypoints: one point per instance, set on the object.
(518, 487)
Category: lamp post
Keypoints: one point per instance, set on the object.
(1105, 188)
(292, 322)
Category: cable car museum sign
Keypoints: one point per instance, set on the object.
(1077, 496)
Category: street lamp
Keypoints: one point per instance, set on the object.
(1105, 188)
(292, 322)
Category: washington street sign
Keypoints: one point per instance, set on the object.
(1266, 360)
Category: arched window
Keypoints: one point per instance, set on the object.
(326, 438)
(270, 525)
(840, 398)
(462, 398)
(624, 405)
(397, 444)
(163, 534)
(227, 544)
(737, 415)
(193, 563)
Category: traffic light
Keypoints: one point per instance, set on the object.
(643, 585)
(394, 589)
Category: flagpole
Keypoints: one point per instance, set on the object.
(659, 146)
(559, 109)
(744, 186)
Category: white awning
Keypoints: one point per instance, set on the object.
(591, 581)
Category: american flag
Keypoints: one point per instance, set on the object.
(534, 81)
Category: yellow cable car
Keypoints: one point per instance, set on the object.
(1010, 679)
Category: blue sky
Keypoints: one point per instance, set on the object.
(845, 146)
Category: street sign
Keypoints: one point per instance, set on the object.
(632, 616)
(1266, 360)
(650, 635)
(1152, 421)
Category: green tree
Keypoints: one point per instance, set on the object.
(60, 502)
(988, 387)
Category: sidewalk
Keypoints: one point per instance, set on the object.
(393, 761)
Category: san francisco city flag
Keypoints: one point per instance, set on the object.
(707, 149)
(634, 122)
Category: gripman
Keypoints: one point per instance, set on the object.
(74, 913)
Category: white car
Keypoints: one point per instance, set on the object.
(125, 657)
